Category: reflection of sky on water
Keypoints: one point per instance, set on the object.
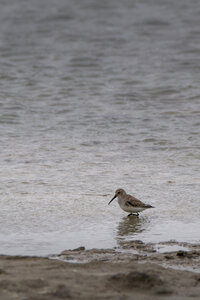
(153, 229)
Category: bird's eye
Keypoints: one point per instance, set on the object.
(118, 193)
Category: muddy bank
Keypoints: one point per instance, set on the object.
(137, 272)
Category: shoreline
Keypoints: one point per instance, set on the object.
(135, 269)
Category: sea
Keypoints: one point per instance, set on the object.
(95, 96)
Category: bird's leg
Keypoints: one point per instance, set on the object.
(131, 214)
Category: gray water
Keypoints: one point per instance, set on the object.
(94, 96)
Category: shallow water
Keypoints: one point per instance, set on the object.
(93, 97)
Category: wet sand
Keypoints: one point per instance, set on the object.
(135, 271)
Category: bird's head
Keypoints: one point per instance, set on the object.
(118, 192)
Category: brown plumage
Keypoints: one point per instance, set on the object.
(129, 203)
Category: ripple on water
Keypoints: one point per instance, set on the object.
(96, 97)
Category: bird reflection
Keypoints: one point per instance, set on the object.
(129, 227)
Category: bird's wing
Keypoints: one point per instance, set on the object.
(128, 203)
(134, 202)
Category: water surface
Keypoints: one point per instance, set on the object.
(93, 97)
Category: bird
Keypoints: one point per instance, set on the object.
(129, 203)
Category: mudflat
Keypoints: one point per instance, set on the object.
(137, 271)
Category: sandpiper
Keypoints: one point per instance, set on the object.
(129, 203)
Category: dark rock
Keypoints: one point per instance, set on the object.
(79, 249)
(164, 291)
(138, 242)
(137, 279)
(169, 257)
(61, 292)
(181, 253)
(68, 252)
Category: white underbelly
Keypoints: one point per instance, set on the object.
(131, 209)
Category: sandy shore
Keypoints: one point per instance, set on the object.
(136, 271)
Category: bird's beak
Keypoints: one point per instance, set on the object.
(112, 199)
